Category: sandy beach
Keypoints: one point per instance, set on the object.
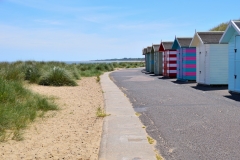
(71, 133)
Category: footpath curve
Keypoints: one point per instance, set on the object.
(123, 136)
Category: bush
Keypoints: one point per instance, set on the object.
(32, 73)
(57, 77)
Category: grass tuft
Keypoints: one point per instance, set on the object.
(158, 157)
(138, 114)
(57, 77)
(98, 79)
(150, 140)
(101, 113)
(32, 73)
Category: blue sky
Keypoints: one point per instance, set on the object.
(81, 30)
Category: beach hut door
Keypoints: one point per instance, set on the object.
(237, 65)
(202, 64)
(155, 63)
(180, 63)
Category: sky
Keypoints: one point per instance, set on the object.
(82, 30)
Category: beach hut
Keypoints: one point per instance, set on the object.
(149, 59)
(211, 58)
(144, 51)
(232, 37)
(169, 59)
(186, 58)
(157, 59)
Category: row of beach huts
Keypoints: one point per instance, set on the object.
(209, 58)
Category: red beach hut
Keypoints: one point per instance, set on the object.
(169, 59)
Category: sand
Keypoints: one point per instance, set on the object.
(72, 133)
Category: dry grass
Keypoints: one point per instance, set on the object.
(101, 113)
(150, 140)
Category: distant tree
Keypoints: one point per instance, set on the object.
(221, 27)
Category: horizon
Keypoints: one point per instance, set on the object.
(85, 30)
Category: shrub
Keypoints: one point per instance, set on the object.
(32, 73)
(57, 77)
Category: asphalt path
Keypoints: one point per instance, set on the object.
(189, 122)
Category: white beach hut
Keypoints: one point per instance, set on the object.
(211, 58)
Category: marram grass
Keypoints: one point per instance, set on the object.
(19, 106)
(57, 77)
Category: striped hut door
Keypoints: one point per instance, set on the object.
(172, 64)
(181, 63)
(178, 64)
(168, 64)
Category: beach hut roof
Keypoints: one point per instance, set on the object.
(167, 45)
(181, 42)
(155, 47)
(233, 26)
(184, 41)
(149, 48)
(211, 37)
(144, 51)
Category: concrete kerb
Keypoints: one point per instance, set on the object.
(123, 137)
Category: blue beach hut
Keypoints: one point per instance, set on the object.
(186, 58)
(232, 37)
(151, 60)
(144, 51)
(149, 48)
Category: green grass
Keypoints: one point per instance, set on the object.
(19, 106)
(57, 76)
(57, 73)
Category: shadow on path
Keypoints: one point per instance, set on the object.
(209, 88)
(162, 77)
(184, 82)
(234, 97)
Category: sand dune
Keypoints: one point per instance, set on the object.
(74, 132)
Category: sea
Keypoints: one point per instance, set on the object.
(89, 62)
(81, 62)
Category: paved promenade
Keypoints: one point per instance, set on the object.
(124, 137)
